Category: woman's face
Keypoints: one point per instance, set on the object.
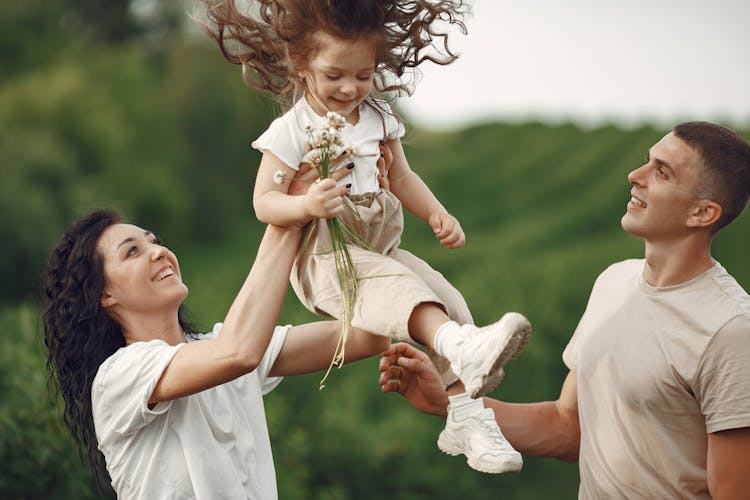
(140, 275)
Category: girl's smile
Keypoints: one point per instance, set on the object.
(340, 75)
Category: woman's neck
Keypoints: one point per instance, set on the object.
(144, 328)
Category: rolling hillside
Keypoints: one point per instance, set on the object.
(540, 206)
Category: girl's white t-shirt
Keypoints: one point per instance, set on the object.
(287, 139)
(212, 445)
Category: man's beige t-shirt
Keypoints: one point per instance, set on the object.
(658, 369)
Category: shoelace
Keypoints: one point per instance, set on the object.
(494, 433)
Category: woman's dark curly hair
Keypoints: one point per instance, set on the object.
(78, 333)
(274, 39)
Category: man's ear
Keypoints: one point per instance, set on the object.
(705, 213)
(107, 300)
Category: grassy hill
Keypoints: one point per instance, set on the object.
(540, 206)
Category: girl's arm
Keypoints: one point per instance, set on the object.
(417, 198)
(274, 205)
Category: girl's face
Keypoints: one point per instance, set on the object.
(140, 275)
(340, 75)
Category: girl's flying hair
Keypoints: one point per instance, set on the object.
(273, 40)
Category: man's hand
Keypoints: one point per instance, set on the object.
(408, 371)
(447, 230)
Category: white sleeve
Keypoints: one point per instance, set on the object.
(394, 129)
(267, 383)
(124, 384)
(269, 358)
(286, 139)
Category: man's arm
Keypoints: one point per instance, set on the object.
(548, 429)
(728, 463)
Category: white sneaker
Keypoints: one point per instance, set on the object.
(479, 438)
(484, 351)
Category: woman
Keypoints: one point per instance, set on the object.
(174, 413)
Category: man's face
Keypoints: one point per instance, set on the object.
(664, 192)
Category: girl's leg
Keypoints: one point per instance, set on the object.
(477, 355)
(425, 321)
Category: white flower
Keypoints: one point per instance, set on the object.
(335, 120)
(279, 177)
(315, 159)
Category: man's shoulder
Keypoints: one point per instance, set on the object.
(623, 269)
(627, 265)
(731, 290)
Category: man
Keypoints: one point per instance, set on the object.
(657, 400)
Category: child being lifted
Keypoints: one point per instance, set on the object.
(326, 56)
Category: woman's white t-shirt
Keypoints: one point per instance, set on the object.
(212, 445)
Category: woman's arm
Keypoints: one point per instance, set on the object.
(310, 347)
(417, 198)
(247, 329)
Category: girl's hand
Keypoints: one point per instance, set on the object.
(324, 199)
(447, 230)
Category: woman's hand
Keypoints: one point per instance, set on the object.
(408, 371)
(307, 175)
(384, 165)
(447, 230)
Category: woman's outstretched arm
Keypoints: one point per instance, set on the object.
(247, 329)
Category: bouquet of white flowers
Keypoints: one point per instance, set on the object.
(326, 151)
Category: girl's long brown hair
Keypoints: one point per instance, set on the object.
(274, 39)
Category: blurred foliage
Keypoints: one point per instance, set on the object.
(37, 456)
(115, 104)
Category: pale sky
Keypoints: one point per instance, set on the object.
(592, 62)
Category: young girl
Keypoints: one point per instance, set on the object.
(328, 55)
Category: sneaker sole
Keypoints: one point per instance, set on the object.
(449, 446)
(491, 373)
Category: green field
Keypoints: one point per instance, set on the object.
(540, 206)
